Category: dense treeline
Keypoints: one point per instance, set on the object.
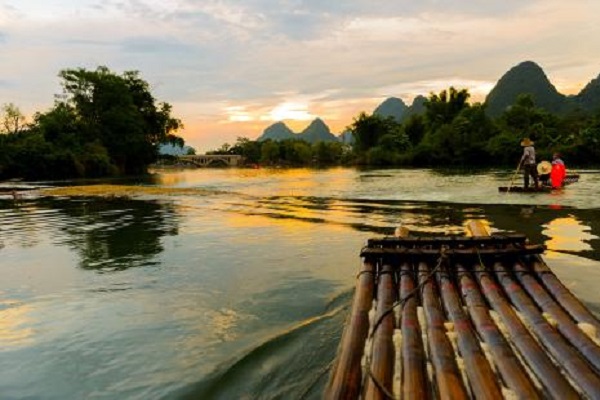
(102, 124)
(289, 152)
(451, 132)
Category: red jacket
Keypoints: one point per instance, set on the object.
(557, 175)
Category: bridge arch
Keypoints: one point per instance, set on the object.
(213, 160)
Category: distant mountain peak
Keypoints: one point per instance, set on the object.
(525, 77)
(392, 107)
(277, 131)
(317, 131)
(589, 97)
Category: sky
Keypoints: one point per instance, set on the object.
(232, 68)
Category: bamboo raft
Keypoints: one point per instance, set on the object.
(464, 317)
(569, 179)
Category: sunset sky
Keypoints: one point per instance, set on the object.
(231, 68)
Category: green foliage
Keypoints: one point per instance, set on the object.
(249, 149)
(103, 124)
(12, 119)
(378, 140)
(414, 128)
(443, 108)
(269, 152)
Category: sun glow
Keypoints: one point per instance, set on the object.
(289, 111)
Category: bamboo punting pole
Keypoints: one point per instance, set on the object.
(346, 377)
(481, 377)
(448, 379)
(553, 382)
(575, 366)
(509, 366)
(382, 360)
(414, 381)
(564, 323)
(570, 303)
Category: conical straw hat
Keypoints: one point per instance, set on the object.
(544, 168)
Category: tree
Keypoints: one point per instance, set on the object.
(249, 149)
(368, 129)
(443, 108)
(120, 112)
(13, 121)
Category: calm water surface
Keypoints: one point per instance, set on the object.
(240, 291)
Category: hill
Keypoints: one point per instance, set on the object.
(589, 97)
(392, 107)
(277, 131)
(317, 131)
(173, 150)
(526, 77)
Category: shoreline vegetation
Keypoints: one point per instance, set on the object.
(104, 125)
(451, 132)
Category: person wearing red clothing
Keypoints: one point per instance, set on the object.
(557, 175)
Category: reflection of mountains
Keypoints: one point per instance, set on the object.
(116, 234)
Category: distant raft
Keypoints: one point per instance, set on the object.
(464, 317)
(569, 179)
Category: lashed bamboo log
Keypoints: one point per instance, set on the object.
(449, 383)
(563, 295)
(509, 366)
(346, 377)
(396, 253)
(481, 377)
(453, 240)
(564, 323)
(572, 362)
(382, 360)
(413, 358)
(553, 382)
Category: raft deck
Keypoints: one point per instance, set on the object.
(569, 179)
(464, 317)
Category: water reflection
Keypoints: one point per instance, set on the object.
(116, 234)
(568, 234)
(14, 318)
(108, 233)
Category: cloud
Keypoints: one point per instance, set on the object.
(158, 45)
(232, 66)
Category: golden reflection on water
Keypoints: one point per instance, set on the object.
(568, 234)
(13, 318)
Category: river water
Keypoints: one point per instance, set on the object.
(241, 289)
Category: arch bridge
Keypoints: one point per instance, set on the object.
(213, 160)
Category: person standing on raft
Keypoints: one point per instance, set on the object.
(528, 162)
(557, 175)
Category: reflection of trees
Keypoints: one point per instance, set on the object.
(532, 221)
(116, 234)
(382, 216)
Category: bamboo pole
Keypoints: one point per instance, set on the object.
(576, 309)
(509, 366)
(481, 377)
(575, 366)
(346, 377)
(382, 361)
(564, 324)
(414, 381)
(449, 383)
(550, 377)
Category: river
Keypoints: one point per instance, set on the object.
(234, 283)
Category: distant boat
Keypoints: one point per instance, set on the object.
(570, 178)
